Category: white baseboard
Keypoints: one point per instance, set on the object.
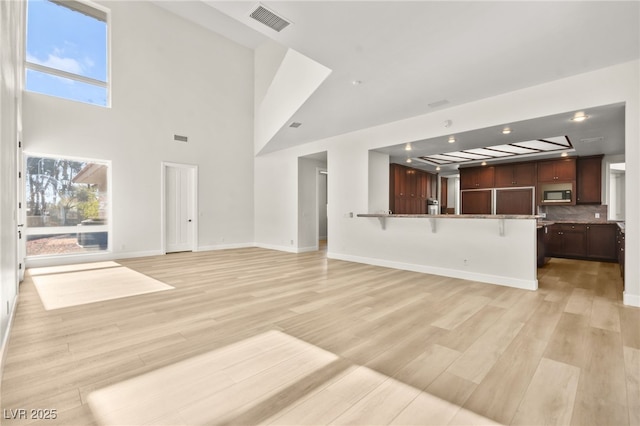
(631, 299)
(288, 249)
(225, 246)
(453, 273)
(307, 249)
(7, 334)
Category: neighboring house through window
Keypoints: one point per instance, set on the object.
(67, 50)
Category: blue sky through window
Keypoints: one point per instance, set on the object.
(67, 40)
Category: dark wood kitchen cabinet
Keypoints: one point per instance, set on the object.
(409, 189)
(515, 174)
(476, 202)
(514, 201)
(582, 241)
(566, 240)
(601, 242)
(589, 180)
(620, 249)
(477, 177)
(563, 170)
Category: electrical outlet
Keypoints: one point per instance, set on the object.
(597, 215)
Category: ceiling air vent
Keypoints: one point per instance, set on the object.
(295, 124)
(598, 139)
(268, 18)
(439, 103)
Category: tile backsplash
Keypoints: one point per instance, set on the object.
(579, 213)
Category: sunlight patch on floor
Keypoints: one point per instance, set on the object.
(256, 374)
(73, 285)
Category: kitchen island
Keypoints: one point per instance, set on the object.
(496, 249)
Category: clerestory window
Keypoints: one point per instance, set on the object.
(67, 52)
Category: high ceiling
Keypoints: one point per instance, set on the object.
(415, 57)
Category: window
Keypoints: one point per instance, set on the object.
(67, 53)
(67, 205)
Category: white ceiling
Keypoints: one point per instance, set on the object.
(415, 53)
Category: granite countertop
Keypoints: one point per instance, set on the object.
(547, 222)
(454, 216)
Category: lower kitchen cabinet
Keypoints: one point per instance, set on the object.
(620, 250)
(574, 240)
(601, 242)
(582, 241)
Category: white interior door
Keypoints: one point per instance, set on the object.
(179, 208)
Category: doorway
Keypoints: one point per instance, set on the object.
(179, 192)
(321, 193)
(312, 202)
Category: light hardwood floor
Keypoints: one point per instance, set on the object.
(386, 346)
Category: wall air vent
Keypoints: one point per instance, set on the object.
(268, 18)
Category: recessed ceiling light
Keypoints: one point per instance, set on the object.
(407, 147)
(564, 154)
(438, 168)
(506, 131)
(484, 163)
(408, 160)
(579, 116)
(452, 139)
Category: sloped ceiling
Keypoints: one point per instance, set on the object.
(415, 57)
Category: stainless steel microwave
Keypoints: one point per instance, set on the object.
(558, 196)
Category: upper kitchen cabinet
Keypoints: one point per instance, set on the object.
(476, 202)
(515, 174)
(589, 180)
(477, 177)
(409, 189)
(563, 170)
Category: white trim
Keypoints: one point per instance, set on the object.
(7, 334)
(288, 249)
(631, 299)
(194, 204)
(453, 273)
(65, 74)
(226, 246)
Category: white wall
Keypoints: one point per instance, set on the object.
(11, 42)
(348, 160)
(169, 76)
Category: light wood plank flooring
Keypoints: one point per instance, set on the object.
(396, 347)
